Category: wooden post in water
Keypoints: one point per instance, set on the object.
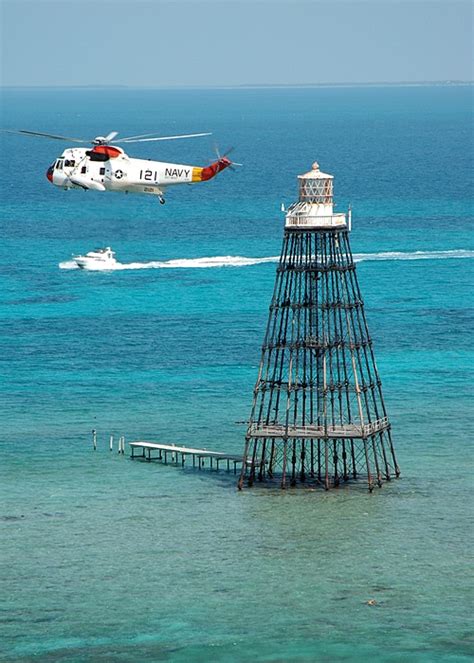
(317, 381)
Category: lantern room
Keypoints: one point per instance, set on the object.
(315, 208)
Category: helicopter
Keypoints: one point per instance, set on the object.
(106, 167)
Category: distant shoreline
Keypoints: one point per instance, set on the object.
(246, 86)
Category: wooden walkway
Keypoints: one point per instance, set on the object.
(177, 455)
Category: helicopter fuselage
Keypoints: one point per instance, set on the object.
(108, 168)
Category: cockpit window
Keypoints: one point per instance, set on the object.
(59, 164)
(69, 163)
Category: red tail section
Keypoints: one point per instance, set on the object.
(211, 171)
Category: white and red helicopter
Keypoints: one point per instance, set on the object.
(106, 167)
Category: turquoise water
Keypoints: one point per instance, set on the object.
(104, 559)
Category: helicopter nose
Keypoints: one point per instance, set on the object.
(49, 173)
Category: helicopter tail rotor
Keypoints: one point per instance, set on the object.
(223, 158)
(222, 162)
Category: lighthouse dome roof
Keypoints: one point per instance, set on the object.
(315, 174)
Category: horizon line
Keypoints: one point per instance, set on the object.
(219, 86)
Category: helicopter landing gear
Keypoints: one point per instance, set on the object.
(162, 200)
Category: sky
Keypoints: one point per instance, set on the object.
(233, 42)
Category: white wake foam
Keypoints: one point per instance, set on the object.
(242, 261)
(414, 255)
(182, 263)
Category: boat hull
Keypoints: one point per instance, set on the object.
(94, 265)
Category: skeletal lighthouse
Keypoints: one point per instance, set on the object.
(318, 414)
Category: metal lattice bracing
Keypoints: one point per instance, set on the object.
(318, 412)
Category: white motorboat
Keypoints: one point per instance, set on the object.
(97, 259)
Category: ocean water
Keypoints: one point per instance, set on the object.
(105, 559)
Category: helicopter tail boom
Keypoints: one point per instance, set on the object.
(208, 172)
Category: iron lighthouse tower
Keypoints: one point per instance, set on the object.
(318, 413)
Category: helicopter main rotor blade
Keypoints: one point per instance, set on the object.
(138, 139)
(135, 137)
(111, 136)
(39, 133)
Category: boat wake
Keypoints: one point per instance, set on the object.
(414, 255)
(242, 261)
(183, 263)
